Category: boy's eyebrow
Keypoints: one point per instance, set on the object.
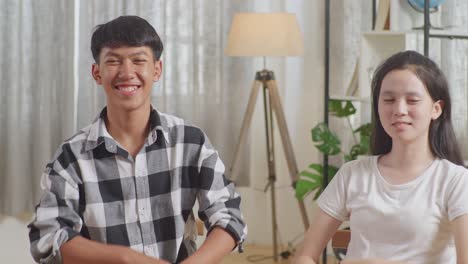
(139, 53)
(111, 53)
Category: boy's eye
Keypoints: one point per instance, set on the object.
(413, 101)
(140, 61)
(112, 61)
(388, 100)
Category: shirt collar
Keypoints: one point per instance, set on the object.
(98, 133)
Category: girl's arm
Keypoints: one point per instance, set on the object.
(315, 240)
(369, 261)
(461, 238)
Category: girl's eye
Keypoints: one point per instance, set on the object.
(388, 100)
(413, 101)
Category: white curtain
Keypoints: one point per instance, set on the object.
(36, 109)
(48, 92)
(454, 63)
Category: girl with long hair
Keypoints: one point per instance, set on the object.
(408, 202)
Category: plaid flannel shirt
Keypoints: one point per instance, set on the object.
(96, 189)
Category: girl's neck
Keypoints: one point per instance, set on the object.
(405, 163)
(407, 156)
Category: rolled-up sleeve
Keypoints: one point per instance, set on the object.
(218, 200)
(56, 220)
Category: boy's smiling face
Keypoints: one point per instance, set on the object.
(127, 75)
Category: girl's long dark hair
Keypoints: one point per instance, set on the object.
(442, 139)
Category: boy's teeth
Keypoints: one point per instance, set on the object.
(128, 88)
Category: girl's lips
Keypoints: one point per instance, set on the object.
(401, 125)
(401, 122)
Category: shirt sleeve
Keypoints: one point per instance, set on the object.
(219, 203)
(333, 199)
(56, 219)
(457, 193)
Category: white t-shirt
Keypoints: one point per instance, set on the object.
(410, 222)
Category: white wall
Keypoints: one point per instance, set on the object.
(14, 241)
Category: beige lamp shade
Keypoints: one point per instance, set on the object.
(264, 34)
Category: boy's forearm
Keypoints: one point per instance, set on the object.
(81, 250)
(217, 245)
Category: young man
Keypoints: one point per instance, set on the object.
(122, 189)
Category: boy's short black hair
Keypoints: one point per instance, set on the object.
(132, 31)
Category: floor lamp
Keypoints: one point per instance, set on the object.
(267, 34)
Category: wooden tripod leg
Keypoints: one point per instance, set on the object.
(286, 140)
(245, 124)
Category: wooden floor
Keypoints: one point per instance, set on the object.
(259, 255)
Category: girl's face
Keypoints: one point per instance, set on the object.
(406, 108)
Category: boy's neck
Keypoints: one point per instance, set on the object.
(130, 129)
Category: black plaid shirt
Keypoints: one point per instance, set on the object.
(96, 189)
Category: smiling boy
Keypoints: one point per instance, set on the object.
(122, 189)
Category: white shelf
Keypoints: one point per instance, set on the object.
(447, 33)
(376, 46)
(350, 98)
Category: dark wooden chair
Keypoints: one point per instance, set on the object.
(340, 242)
(341, 239)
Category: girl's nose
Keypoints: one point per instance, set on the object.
(400, 108)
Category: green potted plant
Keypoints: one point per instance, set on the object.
(328, 143)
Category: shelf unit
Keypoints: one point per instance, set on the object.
(428, 33)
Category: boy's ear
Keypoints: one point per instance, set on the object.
(96, 73)
(157, 70)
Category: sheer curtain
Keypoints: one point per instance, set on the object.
(49, 93)
(454, 63)
(37, 92)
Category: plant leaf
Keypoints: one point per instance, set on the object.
(316, 167)
(365, 144)
(362, 148)
(332, 170)
(313, 181)
(308, 182)
(337, 108)
(327, 142)
(364, 130)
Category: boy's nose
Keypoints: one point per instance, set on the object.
(126, 71)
